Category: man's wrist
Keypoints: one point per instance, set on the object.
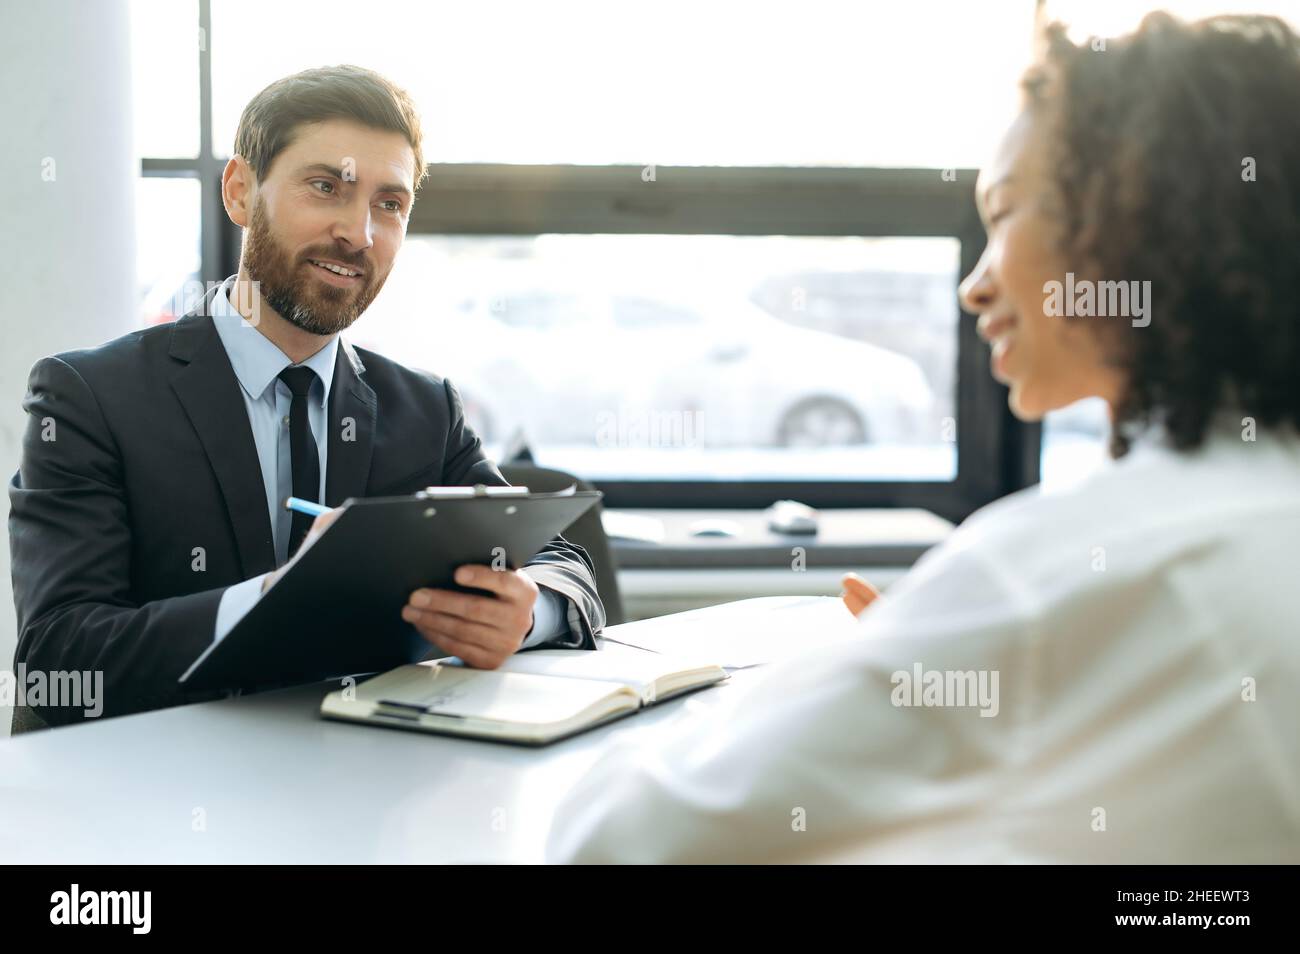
(549, 615)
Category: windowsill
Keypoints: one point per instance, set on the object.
(845, 538)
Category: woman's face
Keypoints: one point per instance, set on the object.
(1047, 361)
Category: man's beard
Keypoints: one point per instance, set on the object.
(312, 305)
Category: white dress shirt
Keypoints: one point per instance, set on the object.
(1145, 630)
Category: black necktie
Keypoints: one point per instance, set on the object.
(302, 451)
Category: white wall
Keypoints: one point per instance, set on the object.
(67, 246)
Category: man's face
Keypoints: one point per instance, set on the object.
(336, 199)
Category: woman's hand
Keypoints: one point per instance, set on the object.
(858, 593)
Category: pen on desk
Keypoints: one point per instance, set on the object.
(305, 506)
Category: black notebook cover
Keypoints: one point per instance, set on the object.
(338, 609)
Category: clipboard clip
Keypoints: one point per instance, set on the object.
(478, 490)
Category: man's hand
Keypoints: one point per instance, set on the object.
(858, 593)
(484, 631)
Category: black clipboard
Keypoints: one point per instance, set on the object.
(337, 610)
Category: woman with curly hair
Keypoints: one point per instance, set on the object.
(1110, 673)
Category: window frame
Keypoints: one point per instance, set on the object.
(502, 199)
(997, 454)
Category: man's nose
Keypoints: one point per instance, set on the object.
(354, 226)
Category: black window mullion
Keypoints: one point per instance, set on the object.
(213, 213)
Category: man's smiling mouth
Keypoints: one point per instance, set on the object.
(337, 269)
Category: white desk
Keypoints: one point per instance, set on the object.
(276, 783)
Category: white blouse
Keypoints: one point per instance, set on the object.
(1106, 674)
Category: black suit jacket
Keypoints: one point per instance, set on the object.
(140, 451)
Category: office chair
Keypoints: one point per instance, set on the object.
(587, 531)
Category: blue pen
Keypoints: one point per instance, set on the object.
(305, 506)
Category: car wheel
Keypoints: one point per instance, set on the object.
(821, 422)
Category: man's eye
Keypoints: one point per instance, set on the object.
(392, 205)
(326, 187)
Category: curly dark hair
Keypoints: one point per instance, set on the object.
(1151, 142)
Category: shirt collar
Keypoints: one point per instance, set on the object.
(257, 361)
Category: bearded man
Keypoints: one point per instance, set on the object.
(147, 512)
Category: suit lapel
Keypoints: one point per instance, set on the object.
(351, 423)
(206, 386)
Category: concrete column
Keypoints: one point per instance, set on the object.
(67, 205)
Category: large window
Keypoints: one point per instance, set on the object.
(711, 260)
(675, 82)
(691, 356)
(715, 335)
(168, 253)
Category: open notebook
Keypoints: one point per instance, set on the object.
(533, 698)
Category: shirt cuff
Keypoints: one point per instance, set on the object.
(235, 603)
(550, 620)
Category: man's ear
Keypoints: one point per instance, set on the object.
(237, 190)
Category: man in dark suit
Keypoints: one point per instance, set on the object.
(145, 517)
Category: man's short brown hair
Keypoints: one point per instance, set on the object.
(271, 118)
